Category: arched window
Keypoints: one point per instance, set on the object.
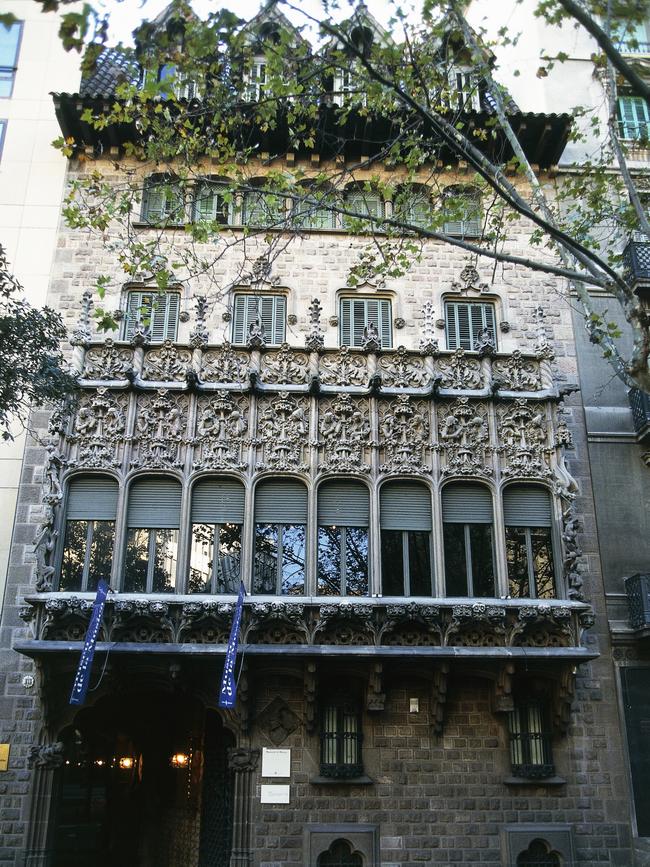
(462, 210)
(280, 525)
(339, 854)
(357, 315)
(157, 311)
(91, 507)
(343, 513)
(213, 202)
(405, 539)
(538, 854)
(468, 540)
(217, 515)
(529, 542)
(466, 320)
(366, 203)
(269, 311)
(153, 519)
(413, 205)
(311, 212)
(262, 209)
(162, 201)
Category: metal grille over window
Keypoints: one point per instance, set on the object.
(358, 313)
(280, 528)
(468, 540)
(153, 519)
(406, 567)
(466, 320)
(343, 515)
(268, 310)
(217, 515)
(89, 533)
(341, 742)
(529, 542)
(530, 746)
(157, 311)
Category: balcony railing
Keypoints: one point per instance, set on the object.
(640, 404)
(636, 260)
(638, 599)
(634, 47)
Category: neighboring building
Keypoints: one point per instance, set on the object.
(385, 468)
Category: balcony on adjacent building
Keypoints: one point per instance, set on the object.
(636, 263)
(637, 588)
(640, 404)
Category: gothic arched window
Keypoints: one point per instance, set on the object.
(339, 854)
(538, 855)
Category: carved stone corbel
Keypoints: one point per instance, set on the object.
(562, 699)
(503, 701)
(439, 697)
(310, 690)
(375, 698)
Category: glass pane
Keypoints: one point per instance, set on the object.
(136, 560)
(6, 82)
(518, 586)
(164, 567)
(419, 564)
(101, 553)
(540, 538)
(9, 39)
(455, 559)
(74, 554)
(350, 738)
(266, 558)
(392, 563)
(201, 554)
(328, 748)
(329, 561)
(356, 561)
(293, 559)
(229, 564)
(482, 560)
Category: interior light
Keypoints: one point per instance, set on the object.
(180, 760)
(125, 762)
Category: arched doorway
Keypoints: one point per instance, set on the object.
(145, 783)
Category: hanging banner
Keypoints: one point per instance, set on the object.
(82, 678)
(228, 693)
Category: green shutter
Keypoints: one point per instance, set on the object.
(92, 498)
(634, 117)
(154, 503)
(526, 506)
(161, 309)
(466, 504)
(405, 506)
(465, 320)
(343, 504)
(355, 314)
(281, 502)
(217, 501)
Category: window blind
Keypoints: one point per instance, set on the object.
(466, 504)
(405, 506)
(154, 503)
(217, 501)
(281, 502)
(526, 506)
(343, 504)
(92, 498)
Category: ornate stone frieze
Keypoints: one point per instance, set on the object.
(516, 373)
(276, 623)
(315, 340)
(221, 425)
(402, 370)
(349, 623)
(404, 429)
(44, 547)
(224, 365)
(282, 432)
(285, 367)
(463, 438)
(460, 371)
(107, 361)
(166, 363)
(468, 281)
(344, 434)
(98, 430)
(200, 335)
(345, 367)
(523, 439)
(160, 430)
(428, 342)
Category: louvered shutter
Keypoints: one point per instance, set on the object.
(92, 498)
(217, 501)
(359, 321)
(210, 204)
(405, 506)
(385, 327)
(164, 317)
(281, 502)
(272, 315)
(634, 117)
(477, 321)
(459, 331)
(153, 202)
(239, 319)
(466, 504)
(488, 320)
(154, 503)
(526, 506)
(343, 504)
(345, 325)
(134, 314)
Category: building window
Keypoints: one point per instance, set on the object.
(631, 38)
(280, 528)
(339, 854)
(413, 205)
(343, 86)
(463, 90)
(153, 520)
(268, 311)
(462, 210)
(3, 130)
(538, 854)
(405, 521)
(91, 508)
(530, 741)
(217, 515)
(468, 540)
(633, 118)
(157, 311)
(365, 204)
(162, 201)
(212, 203)
(263, 210)
(255, 80)
(343, 515)
(9, 47)
(529, 545)
(311, 212)
(465, 320)
(358, 314)
(340, 755)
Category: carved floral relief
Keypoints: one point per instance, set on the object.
(221, 425)
(224, 365)
(460, 371)
(98, 429)
(285, 367)
(160, 430)
(282, 432)
(516, 373)
(166, 363)
(463, 438)
(345, 367)
(344, 434)
(401, 369)
(404, 435)
(107, 361)
(523, 439)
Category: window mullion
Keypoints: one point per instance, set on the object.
(468, 560)
(532, 588)
(86, 568)
(278, 571)
(405, 562)
(342, 561)
(214, 575)
(151, 560)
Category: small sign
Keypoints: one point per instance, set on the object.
(275, 794)
(4, 757)
(276, 763)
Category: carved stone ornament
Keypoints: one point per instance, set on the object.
(404, 425)
(141, 334)
(523, 439)
(44, 546)
(563, 436)
(278, 721)
(282, 429)
(256, 335)
(468, 281)
(221, 424)
(344, 434)
(402, 370)
(344, 367)
(285, 367)
(98, 429)
(107, 361)
(459, 371)
(200, 335)
(243, 759)
(48, 757)
(82, 334)
(315, 340)
(371, 341)
(463, 437)
(428, 342)
(516, 373)
(484, 344)
(572, 563)
(160, 426)
(166, 363)
(224, 365)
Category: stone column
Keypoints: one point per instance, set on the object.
(243, 761)
(44, 760)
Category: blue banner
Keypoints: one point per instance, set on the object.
(82, 678)
(228, 693)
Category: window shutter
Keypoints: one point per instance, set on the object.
(164, 316)
(133, 304)
(92, 498)
(488, 319)
(405, 506)
(343, 504)
(153, 202)
(385, 323)
(526, 506)
(466, 504)
(345, 327)
(217, 501)
(154, 503)
(459, 332)
(359, 321)
(281, 502)
(477, 322)
(240, 318)
(210, 204)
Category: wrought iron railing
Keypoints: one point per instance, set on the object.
(636, 260)
(634, 48)
(640, 404)
(638, 600)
